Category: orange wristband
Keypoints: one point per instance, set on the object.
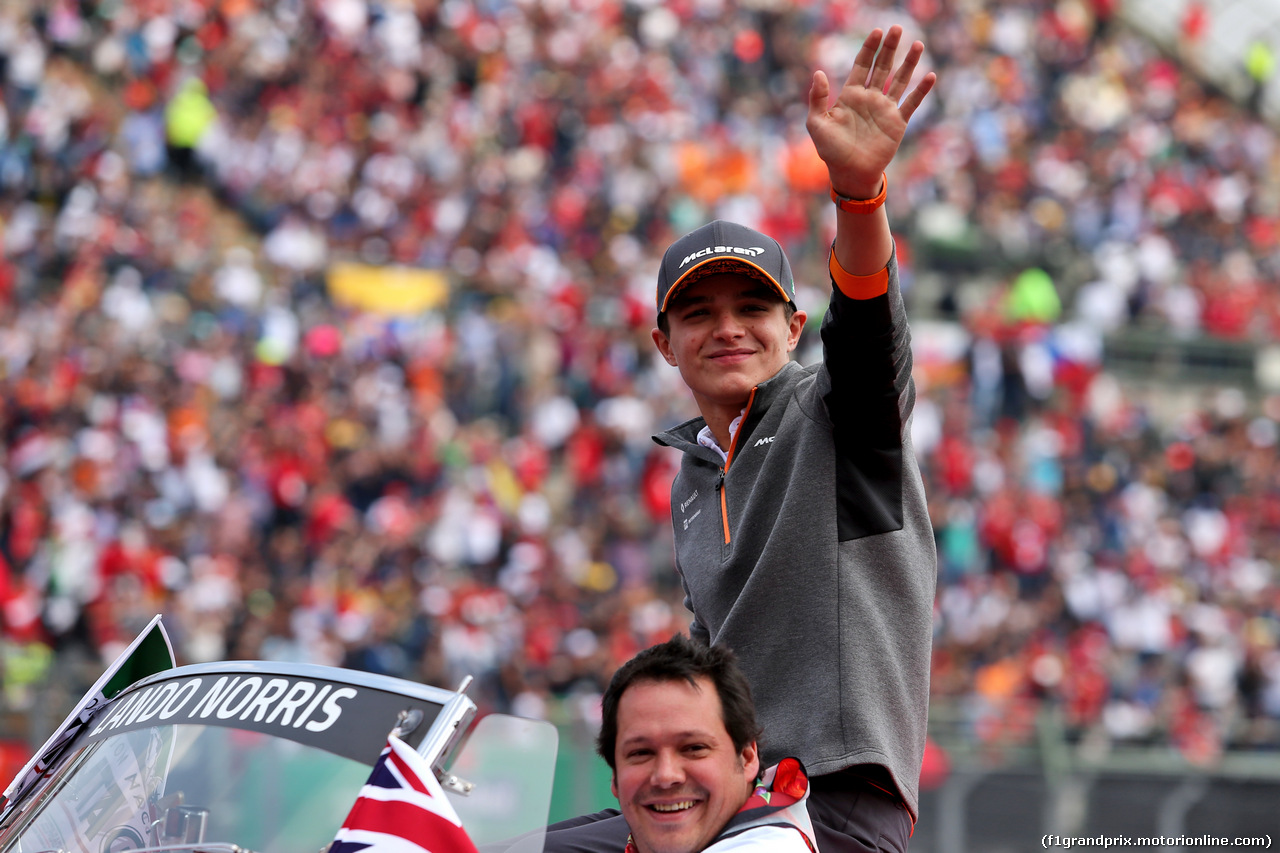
(862, 205)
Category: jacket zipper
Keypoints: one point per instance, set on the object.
(724, 469)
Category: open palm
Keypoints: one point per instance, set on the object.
(859, 134)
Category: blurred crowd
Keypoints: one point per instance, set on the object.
(191, 424)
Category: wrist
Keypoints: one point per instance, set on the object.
(857, 187)
(863, 202)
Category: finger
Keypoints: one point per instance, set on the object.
(884, 60)
(819, 94)
(903, 78)
(916, 97)
(861, 70)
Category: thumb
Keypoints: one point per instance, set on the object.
(819, 93)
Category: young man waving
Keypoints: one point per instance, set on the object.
(801, 532)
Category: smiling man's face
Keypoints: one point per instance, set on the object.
(679, 778)
(727, 333)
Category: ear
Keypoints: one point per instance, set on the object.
(751, 761)
(663, 343)
(613, 784)
(794, 328)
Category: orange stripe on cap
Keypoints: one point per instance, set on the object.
(721, 264)
(859, 286)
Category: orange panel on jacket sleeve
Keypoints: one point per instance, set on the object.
(859, 286)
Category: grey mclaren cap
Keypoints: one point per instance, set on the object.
(724, 247)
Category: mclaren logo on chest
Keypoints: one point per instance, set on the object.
(749, 251)
(765, 440)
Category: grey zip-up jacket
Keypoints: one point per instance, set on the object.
(810, 552)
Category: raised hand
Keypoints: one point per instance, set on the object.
(859, 134)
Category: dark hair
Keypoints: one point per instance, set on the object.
(676, 659)
(664, 325)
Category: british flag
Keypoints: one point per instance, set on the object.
(402, 809)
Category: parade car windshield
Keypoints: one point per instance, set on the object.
(250, 758)
(182, 785)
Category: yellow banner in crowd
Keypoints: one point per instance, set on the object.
(387, 290)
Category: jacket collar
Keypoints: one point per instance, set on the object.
(685, 436)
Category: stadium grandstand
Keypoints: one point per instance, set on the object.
(324, 332)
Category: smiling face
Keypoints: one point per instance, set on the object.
(727, 333)
(678, 776)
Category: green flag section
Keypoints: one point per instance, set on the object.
(149, 653)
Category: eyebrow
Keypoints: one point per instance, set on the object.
(762, 292)
(690, 734)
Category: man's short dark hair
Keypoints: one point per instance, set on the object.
(681, 658)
